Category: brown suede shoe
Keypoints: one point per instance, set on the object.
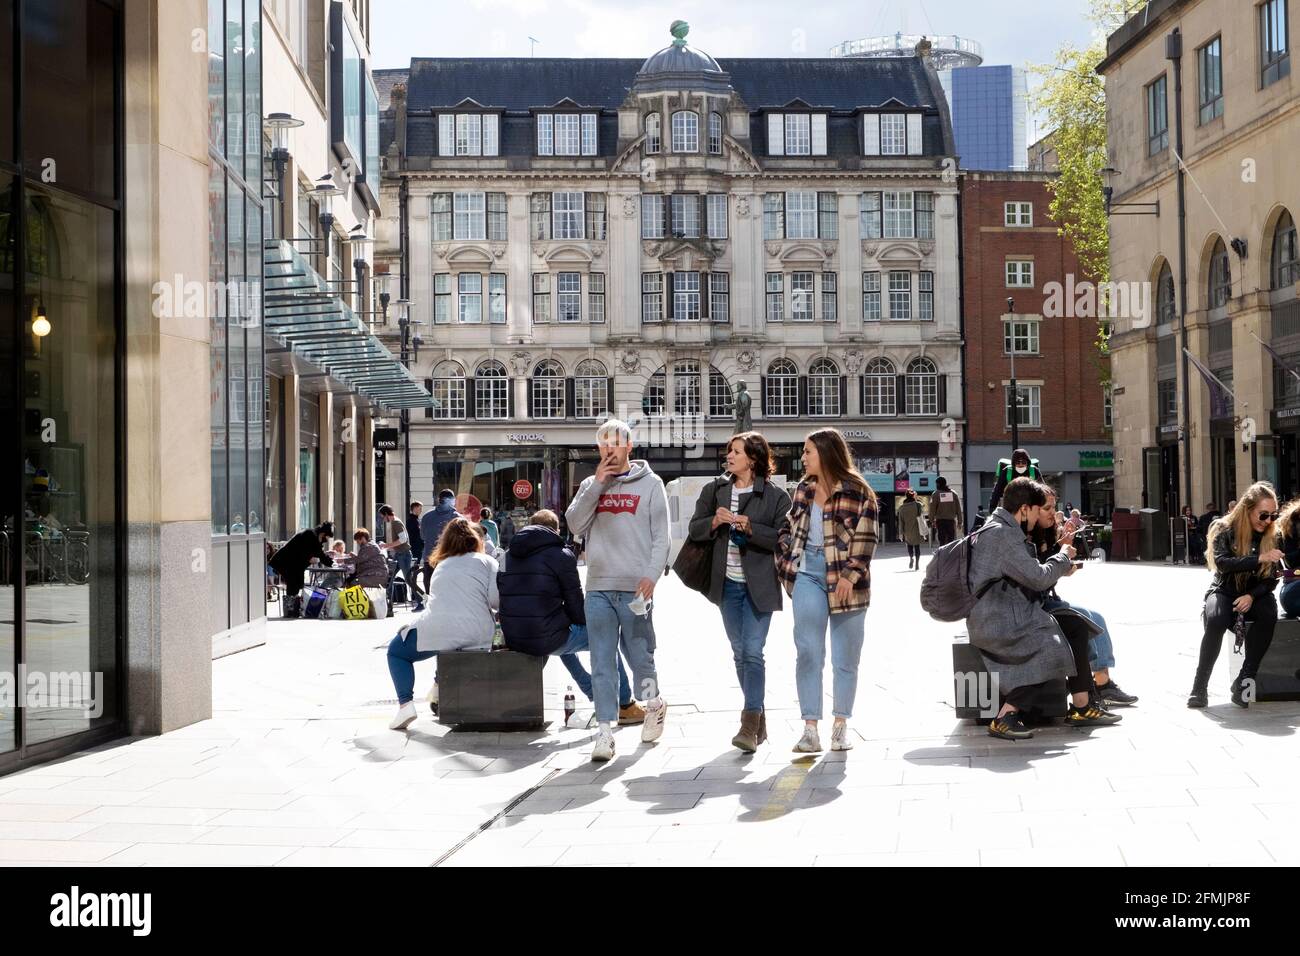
(632, 714)
(747, 738)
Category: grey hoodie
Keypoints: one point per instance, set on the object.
(624, 523)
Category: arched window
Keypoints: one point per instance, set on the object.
(1285, 263)
(880, 388)
(654, 400)
(448, 390)
(686, 387)
(721, 401)
(715, 134)
(491, 391)
(824, 389)
(653, 133)
(591, 390)
(686, 132)
(781, 390)
(1166, 305)
(1220, 289)
(546, 390)
(922, 388)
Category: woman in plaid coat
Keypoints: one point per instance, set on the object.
(824, 563)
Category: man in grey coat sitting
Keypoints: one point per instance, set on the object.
(1022, 645)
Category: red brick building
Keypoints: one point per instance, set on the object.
(1011, 248)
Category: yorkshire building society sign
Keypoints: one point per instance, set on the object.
(1097, 459)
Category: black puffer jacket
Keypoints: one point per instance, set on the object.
(541, 593)
(298, 552)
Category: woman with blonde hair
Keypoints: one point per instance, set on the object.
(1243, 553)
(1288, 527)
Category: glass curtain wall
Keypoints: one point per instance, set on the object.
(61, 471)
(236, 218)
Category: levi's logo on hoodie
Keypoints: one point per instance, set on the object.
(618, 504)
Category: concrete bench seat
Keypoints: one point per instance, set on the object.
(1279, 674)
(973, 687)
(490, 690)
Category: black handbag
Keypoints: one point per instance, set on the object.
(694, 564)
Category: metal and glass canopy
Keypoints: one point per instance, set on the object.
(314, 322)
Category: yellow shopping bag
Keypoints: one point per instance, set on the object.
(355, 603)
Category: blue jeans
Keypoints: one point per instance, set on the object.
(1101, 652)
(746, 628)
(402, 657)
(568, 654)
(1289, 599)
(610, 623)
(812, 617)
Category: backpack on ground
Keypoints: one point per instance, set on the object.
(946, 593)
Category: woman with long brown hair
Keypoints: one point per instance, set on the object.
(824, 561)
(1288, 529)
(458, 610)
(1243, 553)
(742, 513)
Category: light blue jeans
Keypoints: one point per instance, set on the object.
(568, 655)
(1101, 652)
(746, 628)
(812, 618)
(609, 623)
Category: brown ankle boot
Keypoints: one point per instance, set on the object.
(762, 726)
(747, 738)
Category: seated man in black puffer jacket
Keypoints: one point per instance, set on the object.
(542, 606)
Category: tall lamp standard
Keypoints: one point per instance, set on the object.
(279, 124)
(325, 190)
(1015, 389)
(358, 240)
(403, 323)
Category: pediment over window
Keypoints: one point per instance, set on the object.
(567, 253)
(469, 256)
(685, 254)
(901, 253)
(468, 103)
(796, 253)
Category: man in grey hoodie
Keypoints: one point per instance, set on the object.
(431, 524)
(621, 512)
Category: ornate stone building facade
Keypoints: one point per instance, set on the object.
(584, 238)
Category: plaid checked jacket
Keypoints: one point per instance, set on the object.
(849, 527)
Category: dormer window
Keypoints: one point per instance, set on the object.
(796, 134)
(653, 133)
(469, 134)
(891, 134)
(686, 132)
(566, 134)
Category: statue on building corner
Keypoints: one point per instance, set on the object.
(744, 418)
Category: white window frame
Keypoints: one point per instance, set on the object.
(491, 392)
(545, 134)
(590, 391)
(880, 389)
(803, 286)
(900, 298)
(596, 298)
(469, 216)
(469, 296)
(652, 215)
(497, 300)
(568, 134)
(652, 297)
(442, 298)
(654, 142)
(775, 297)
(801, 214)
(781, 391)
(1020, 273)
(686, 296)
(925, 296)
(715, 133)
(824, 389)
(684, 215)
(1023, 334)
(798, 134)
(898, 211)
(1032, 406)
(1017, 214)
(686, 134)
(568, 297)
(921, 388)
(720, 296)
(568, 220)
(872, 309)
(893, 134)
(548, 391)
(717, 215)
(449, 392)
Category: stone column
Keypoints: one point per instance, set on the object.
(292, 440)
(325, 473)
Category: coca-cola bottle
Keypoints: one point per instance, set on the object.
(570, 704)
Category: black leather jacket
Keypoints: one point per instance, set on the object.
(1228, 564)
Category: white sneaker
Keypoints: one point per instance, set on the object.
(405, 716)
(840, 737)
(432, 698)
(604, 749)
(653, 728)
(809, 743)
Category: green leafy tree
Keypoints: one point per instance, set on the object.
(1072, 97)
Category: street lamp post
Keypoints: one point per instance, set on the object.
(1015, 389)
(279, 124)
(325, 190)
(358, 239)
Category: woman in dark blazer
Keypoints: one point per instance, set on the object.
(741, 513)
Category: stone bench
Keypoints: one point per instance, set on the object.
(490, 690)
(1279, 674)
(973, 692)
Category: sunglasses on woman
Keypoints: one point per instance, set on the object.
(1269, 516)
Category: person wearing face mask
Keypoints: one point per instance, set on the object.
(1244, 554)
(1047, 537)
(1022, 645)
(1019, 465)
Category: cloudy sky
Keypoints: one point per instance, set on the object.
(1011, 31)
